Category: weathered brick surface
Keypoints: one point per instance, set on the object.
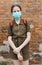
(32, 11)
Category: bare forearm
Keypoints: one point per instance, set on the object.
(25, 42)
(11, 43)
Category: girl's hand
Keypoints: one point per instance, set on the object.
(16, 50)
(20, 57)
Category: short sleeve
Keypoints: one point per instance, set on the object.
(28, 27)
(9, 31)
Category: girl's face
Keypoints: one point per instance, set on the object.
(16, 12)
(16, 9)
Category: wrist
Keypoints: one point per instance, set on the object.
(14, 48)
(19, 48)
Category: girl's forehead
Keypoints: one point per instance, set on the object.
(16, 8)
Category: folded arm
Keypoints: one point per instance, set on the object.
(26, 41)
(11, 42)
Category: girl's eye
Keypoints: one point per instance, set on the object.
(17, 10)
(14, 11)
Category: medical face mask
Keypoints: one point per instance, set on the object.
(17, 15)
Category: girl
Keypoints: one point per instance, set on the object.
(19, 36)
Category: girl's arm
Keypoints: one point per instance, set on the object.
(11, 42)
(12, 45)
(26, 41)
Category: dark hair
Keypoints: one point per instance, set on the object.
(14, 6)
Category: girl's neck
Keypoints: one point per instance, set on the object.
(17, 21)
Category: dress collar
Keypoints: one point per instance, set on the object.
(21, 22)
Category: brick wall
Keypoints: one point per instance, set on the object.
(32, 11)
